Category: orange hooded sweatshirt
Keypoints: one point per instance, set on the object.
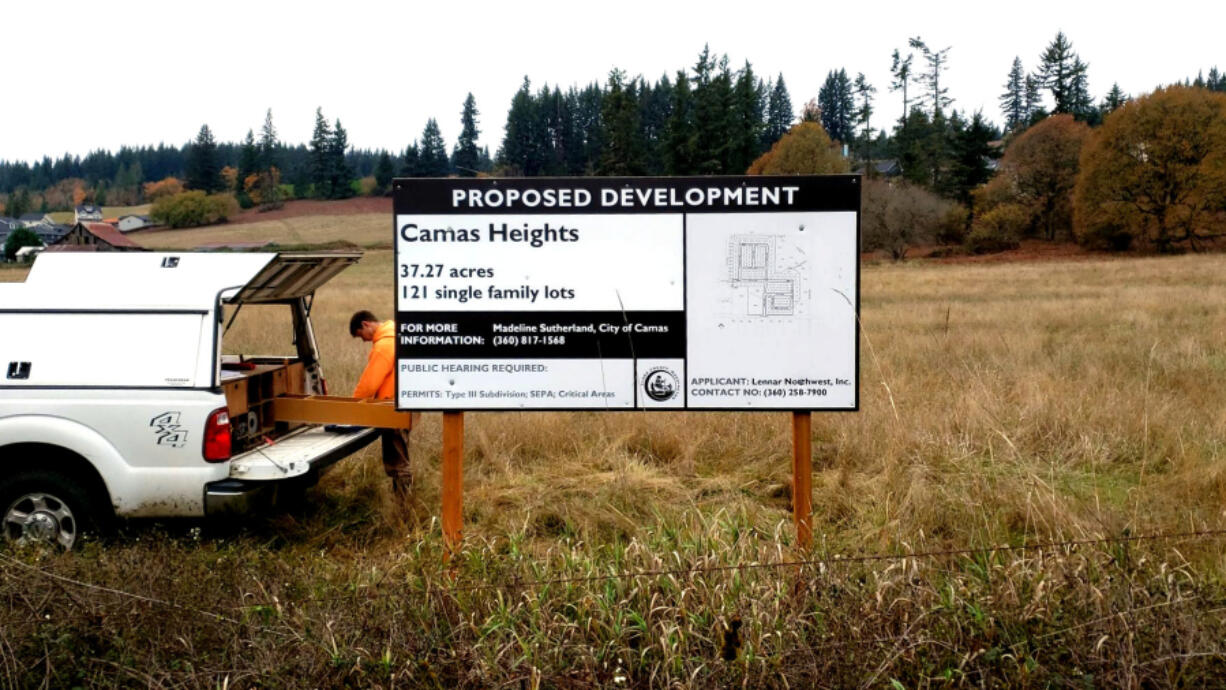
(378, 380)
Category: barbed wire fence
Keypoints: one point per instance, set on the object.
(450, 585)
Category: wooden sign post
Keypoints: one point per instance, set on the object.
(802, 477)
(453, 481)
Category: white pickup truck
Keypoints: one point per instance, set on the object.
(116, 399)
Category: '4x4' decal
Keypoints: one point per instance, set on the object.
(169, 433)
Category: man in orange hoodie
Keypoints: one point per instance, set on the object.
(379, 381)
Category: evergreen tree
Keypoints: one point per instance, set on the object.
(712, 114)
(321, 159)
(655, 106)
(1062, 72)
(863, 117)
(972, 152)
(1116, 98)
(467, 158)
(384, 171)
(1034, 100)
(248, 159)
(412, 161)
(747, 119)
(682, 135)
(837, 102)
(552, 122)
(433, 159)
(900, 68)
(589, 126)
(779, 114)
(623, 153)
(572, 137)
(339, 168)
(268, 143)
(920, 146)
(937, 61)
(1217, 81)
(203, 170)
(1013, 100)
(520, 148)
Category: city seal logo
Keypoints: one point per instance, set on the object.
(661, 384)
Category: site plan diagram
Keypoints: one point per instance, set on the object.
(766, 277)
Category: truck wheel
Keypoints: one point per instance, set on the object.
(45, 506)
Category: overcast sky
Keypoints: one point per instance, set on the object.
(82, 76)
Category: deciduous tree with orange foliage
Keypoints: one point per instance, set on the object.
(229, 175)
(1038, 172)
(264, 189)
(1155, 172)
(805, 150)
(167, 186)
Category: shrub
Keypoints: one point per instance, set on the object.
(21, 237)
(951, 229)
(367, 186)
(1155, 172)
(193, 209)
(899, 215)
(998, 229)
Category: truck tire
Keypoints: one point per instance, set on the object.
(47, 506)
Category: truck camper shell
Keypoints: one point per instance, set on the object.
(127, 319)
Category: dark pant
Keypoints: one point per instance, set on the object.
(396, 454)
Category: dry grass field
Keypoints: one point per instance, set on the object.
(1001, 405)
(362, 229)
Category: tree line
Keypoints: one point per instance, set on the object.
(706, 118)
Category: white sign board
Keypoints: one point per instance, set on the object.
(711, 293)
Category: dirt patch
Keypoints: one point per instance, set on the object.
(316, 207)
(1030, 251)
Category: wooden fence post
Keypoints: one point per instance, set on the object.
(453, 481)
(802, 477)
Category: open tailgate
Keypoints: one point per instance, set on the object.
(298, 452)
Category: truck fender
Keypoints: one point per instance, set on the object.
(72, 436)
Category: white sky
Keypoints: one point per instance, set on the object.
(88, 75)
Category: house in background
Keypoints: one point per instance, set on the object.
(30, 220)
(95, 237)
(52, 233)
(880, 168)
(86, 213)
(130, 223)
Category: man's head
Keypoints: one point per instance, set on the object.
(363, 325)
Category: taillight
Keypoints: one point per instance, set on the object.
(217, 436)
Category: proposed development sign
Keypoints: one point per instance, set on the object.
(733, 293)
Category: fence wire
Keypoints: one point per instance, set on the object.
(443, 586)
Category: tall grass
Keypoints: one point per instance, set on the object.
(1005, 404)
